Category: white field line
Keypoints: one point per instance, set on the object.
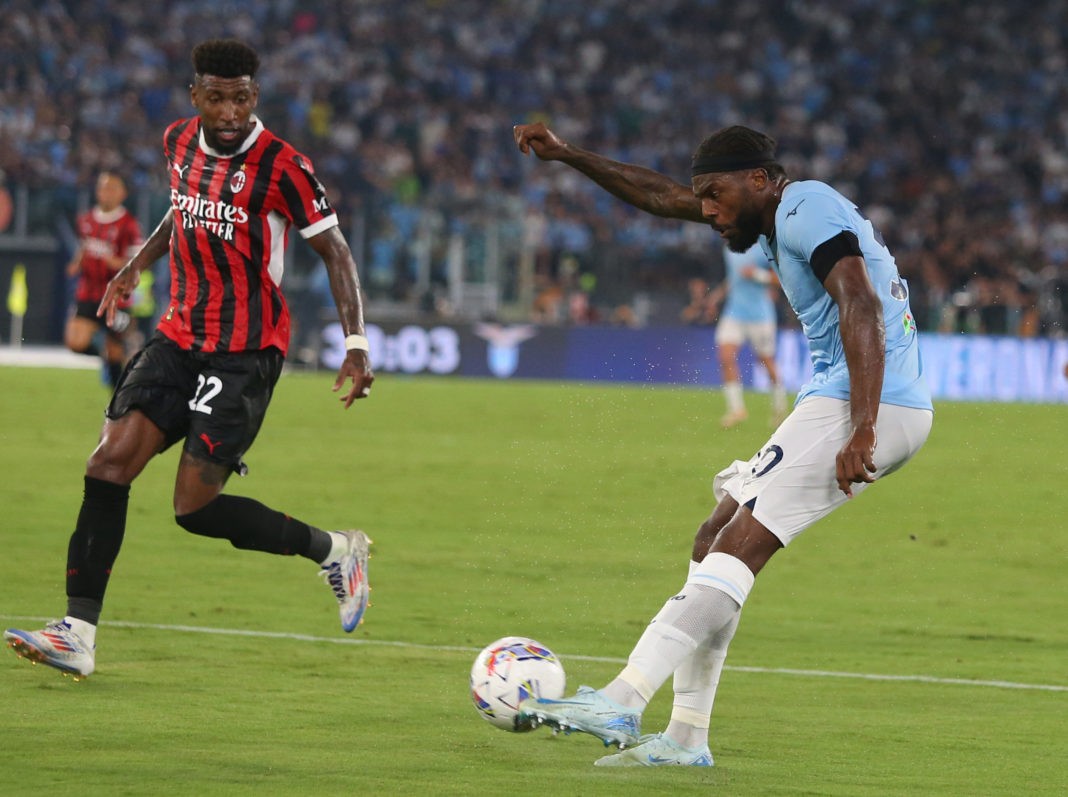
(240, 632)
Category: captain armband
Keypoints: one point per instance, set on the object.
(827, 254)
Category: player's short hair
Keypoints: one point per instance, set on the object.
(225, 58)
(114, 174)
(740, 147)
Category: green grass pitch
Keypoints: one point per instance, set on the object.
(564, 512)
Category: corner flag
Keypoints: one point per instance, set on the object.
(17, 293)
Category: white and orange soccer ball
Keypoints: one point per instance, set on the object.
(509, 671)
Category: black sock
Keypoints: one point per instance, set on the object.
(319, 546)
(114, 372)
(94, 545)
(251, 526)
(87, 609)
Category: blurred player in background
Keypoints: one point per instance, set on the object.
(865, 413)
(700, 310)
(207, 375)
(108, 236)
(747, 315)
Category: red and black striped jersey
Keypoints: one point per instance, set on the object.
(232, 215)
(102, 235)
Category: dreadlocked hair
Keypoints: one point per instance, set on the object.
(225, 58)
(741, 141)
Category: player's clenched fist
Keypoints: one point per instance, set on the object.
(545, 143)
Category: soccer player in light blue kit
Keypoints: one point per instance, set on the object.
(748, 315)
(864, 414)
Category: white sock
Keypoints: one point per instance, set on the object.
(710, 601)
(778, 398)
(733, 392)
(86, 631)
(695, 685)
(696, 680)
(658, 652)
(337, 550)
(620, 689)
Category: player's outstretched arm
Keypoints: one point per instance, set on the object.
(126, 278)
(644, 188)
(860, 315)
(331, 246)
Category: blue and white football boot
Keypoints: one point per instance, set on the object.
(658, 751)
(589, 711)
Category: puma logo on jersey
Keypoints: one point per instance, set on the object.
(794, 211)
(180, 169)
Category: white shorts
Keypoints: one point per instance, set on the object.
(791, 482)
(760, 334)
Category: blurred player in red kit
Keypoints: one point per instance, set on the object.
(108, 236)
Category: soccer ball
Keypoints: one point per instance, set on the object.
(509, 671)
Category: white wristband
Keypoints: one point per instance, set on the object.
(357, 342)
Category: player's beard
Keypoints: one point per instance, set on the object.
(226, 147)
(745, 231)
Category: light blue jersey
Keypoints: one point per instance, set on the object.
(748, 299)
(810, 214)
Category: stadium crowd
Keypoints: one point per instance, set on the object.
(947, 120)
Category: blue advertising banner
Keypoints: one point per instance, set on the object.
(977, 367)
(963, 367)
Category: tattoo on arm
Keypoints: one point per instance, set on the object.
(644, 188)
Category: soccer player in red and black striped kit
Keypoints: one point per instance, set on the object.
(108, 235)
(207, 374)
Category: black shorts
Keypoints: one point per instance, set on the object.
(217, 401)
(87, 310)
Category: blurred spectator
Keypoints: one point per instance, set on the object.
(702, 308)
(548, 305)
(953, 113)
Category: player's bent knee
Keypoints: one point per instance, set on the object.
(103, 464)
(712, 526)
(702, 541)
(208, 521)
(126, 446)
(239, 520)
